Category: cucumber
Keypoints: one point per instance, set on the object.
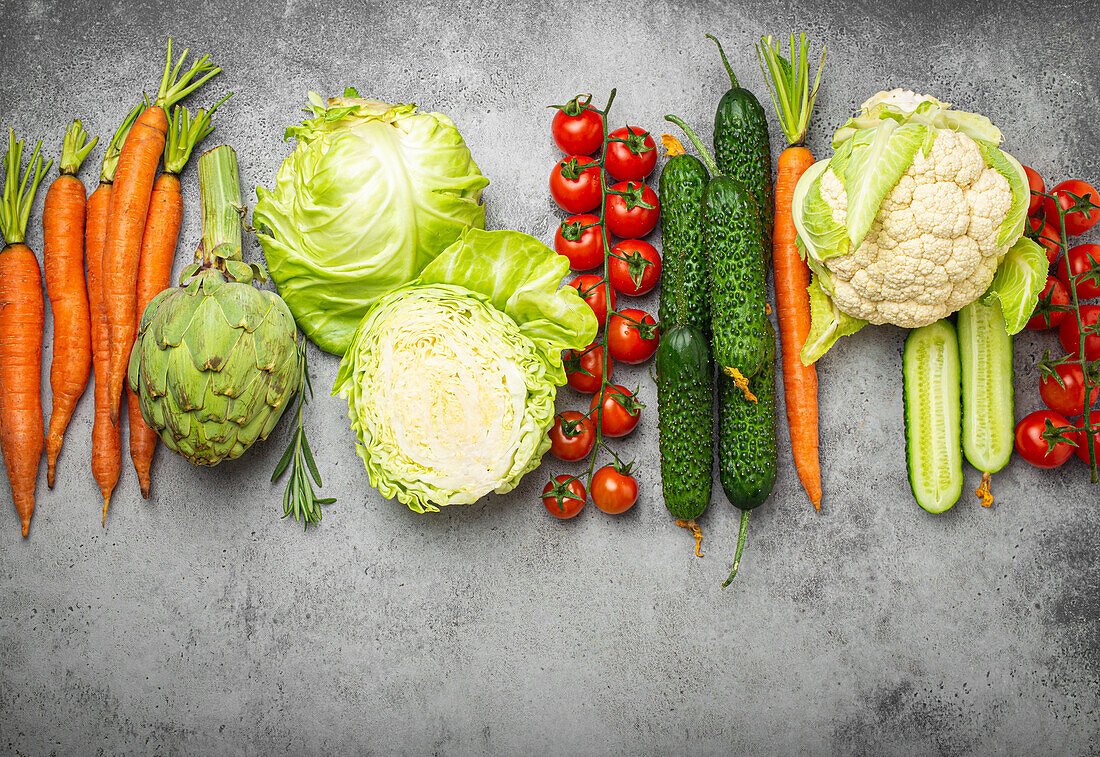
(685, 420)
(734, 242)
(985, 357)
(685, 297)
(930, 367)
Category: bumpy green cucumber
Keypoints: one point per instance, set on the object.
(747, 451)
(685, 296)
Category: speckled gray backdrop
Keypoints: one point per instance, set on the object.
(200, 623)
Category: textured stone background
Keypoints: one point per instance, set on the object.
(200, 623)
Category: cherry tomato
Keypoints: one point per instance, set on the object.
(1069, 335)
(612, 491)
(584, 370)
(597, 293)
(1034, 184)
(634, 215)
(1067, 398)
(633, 159)
(1082, 449)
(577, 129)
(563, 498)
(632, 336)
(583, 246)
(572, 436)
(639, 272)
(576, 189)
(1046, 314)
(621, 410)
(1080, 259)
(1079, 221)
(1047, 236)
(1037, 450)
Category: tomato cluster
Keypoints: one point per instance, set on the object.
(1048, 438)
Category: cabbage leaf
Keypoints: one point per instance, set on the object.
(1019, 281)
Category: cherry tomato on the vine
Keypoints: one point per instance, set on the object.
(1077, 221)
(1034, 184)
(564, 496)
(634, 213)
(580, 239)
(633, 158)
(621, 410)
(597, 293)
(1046, 235)
(577, 129)
(613, 491)
(575, 187)
(1080, 260)
(1041, 439)
(572, 436)
(1070, 336)
(585, 369)
(634, 267)
(1067, 397)
(1047, 313)
(632, 336)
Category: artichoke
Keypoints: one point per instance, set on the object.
(216, 360)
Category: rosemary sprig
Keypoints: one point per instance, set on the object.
(299, 498)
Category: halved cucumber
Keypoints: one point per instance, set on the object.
(932, 416)
(985, 355)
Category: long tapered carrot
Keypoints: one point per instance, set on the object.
(137, 168)
(158, 250)
(793, 97)
(63, 263)
(22, 319)
(106, 435)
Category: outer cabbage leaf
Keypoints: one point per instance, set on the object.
(370, 196)
(1019, 281)
(1006, 165)
(819, 235)
(827, 324)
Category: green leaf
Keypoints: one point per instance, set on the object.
(819, 236)
(1006, 165)
(1019, 281)
(827, 324)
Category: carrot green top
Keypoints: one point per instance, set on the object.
(184, 133)
(114, 149)
(174, 87)
(789, 83)
(15, 205)
(73, 150)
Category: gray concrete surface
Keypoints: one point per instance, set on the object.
(199, 623)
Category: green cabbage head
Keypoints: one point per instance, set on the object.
(450, 380)
(372, 194)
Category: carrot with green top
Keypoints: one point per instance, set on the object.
(22, 319)
(133, 190)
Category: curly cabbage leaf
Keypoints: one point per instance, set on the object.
(1019, 281)
(827, 324)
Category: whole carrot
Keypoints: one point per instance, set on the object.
(126, 218)
(789, 82)
(106, 435)
(63, 262)
(158, 250)
(22, 319)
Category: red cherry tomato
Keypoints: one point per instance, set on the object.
(1082, 449)
(580, 239)
(621, 410)
(1079, 260)
(576, 189)
(563, 498)
(634, 215)
(577, 129)
(612, 491)
(1038, 450)
(1079, 221)
(1046, 314)
(637, 271)
(1034, 184)
(597, 293)
(1070, 336)
(584, 370)
(632, 336)
(1067, 398)
(633, 159)
(1047, 236)
(572, 436)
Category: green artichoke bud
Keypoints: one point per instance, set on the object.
(216, 360)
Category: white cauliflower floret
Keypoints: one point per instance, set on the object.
(933, 247)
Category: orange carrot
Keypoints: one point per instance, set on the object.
(63, 261)
(22, 319)
(137, 168)
(158, 250)
(106, 435)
